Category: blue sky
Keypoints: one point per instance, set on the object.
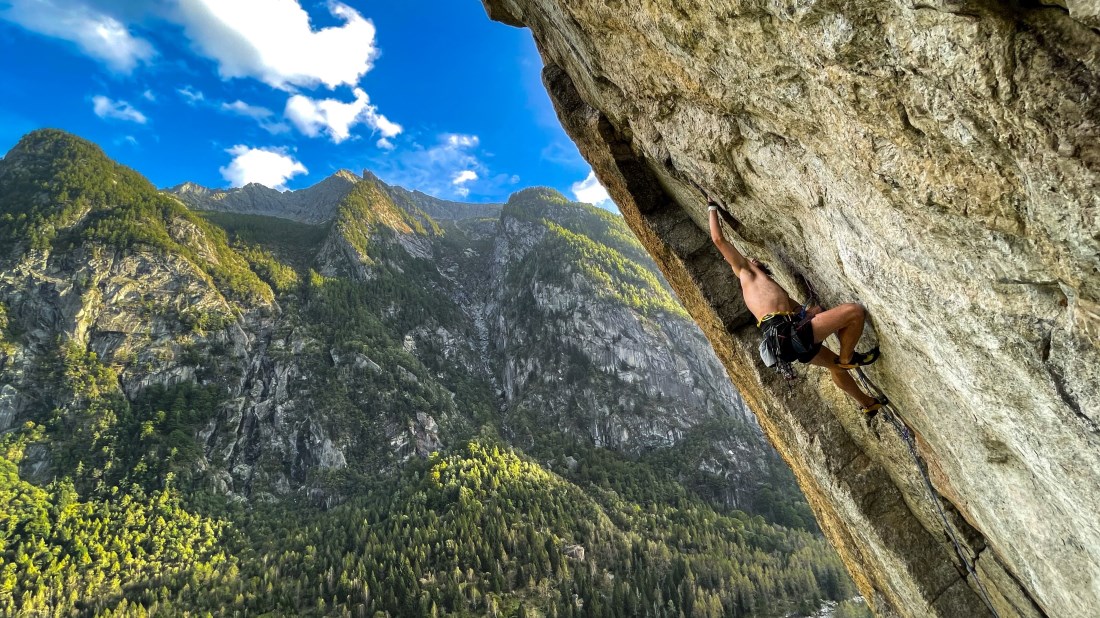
(428, 94)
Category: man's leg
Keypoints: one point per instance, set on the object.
(825, 358)
(846, 321)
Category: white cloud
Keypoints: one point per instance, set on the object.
(335, 118)
(464, 177)
(263, 116)
(191, 95)
(149, 96)
(118, 110)
(456, 140)
(385, 144)
(590, 191)
(97, 34)
(271, 167)
(460, 180)
(442, 170)
(274, 41)
(244, 109)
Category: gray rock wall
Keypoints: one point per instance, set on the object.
(936, 161)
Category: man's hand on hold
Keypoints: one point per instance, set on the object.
(726, 216)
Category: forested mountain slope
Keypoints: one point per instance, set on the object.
(375, 410)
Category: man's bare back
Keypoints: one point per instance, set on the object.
(762, 294)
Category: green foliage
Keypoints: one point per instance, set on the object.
(369, 318)
(279, 276)
(59, 553)
(597, 244)
(204, 321)
(290, 242)
(62, 191)
(481, 531)
(367, 210)
(478, 530)
(612, 275)
(538, 203)
(768, 489)
(6, 344)
(112, 440)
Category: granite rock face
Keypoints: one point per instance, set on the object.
(936, 161)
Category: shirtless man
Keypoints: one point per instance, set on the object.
(774, 308)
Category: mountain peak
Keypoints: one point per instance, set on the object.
(538, 194)
(190, 187)
(49, 169)
(50, 146)
(344, 174)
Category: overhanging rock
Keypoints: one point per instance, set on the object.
(935, 161)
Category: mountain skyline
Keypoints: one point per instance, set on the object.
(194, 91)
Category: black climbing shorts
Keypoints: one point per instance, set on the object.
(793, 340)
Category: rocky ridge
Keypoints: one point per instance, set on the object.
(316, 204)
(935, 161)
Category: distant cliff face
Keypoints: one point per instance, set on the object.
(341, 330)
(938, 163)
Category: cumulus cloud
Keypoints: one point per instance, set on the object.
(336, 118)
(464, 177)
(271, 167)
(460, 179)
(590, 191)
(263, 116)
(274, 41)
(105, 108)
(96, 33)
(385, 144)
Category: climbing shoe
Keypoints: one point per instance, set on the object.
(861, 359)
(870, 411)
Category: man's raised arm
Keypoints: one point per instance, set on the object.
(732, 255)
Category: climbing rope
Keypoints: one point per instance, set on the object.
(906, 434)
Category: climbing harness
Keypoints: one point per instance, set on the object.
(906, 434)
(774, 314)
(783, 341)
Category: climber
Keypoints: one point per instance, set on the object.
(791, 332)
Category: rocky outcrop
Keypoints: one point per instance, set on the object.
(936, 161)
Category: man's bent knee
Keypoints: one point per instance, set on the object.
(855, 311)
